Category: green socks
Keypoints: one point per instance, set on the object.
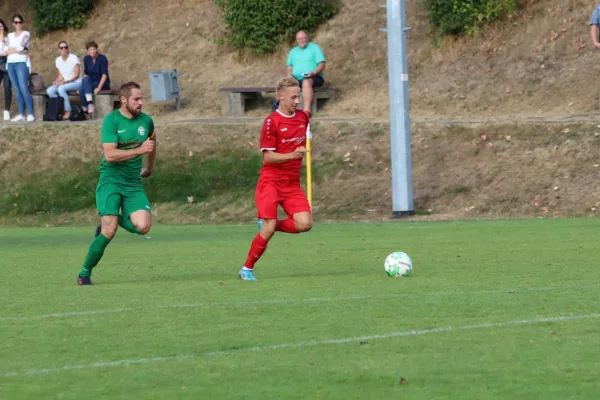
(97, 247)
(125, 223)
(94, 254)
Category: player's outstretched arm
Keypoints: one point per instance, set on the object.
(114, 155)
(272, 157)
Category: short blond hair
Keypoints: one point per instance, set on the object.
(286, 83)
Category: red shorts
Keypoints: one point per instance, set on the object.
(269, 194)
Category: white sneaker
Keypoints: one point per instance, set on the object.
(30, 118)
(18, 118)
(6, 115)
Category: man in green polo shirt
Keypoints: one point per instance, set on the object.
(306, 63)
(127, 135)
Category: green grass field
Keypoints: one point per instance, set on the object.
(494, 310)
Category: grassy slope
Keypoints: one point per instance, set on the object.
(531, 65)
(520, 170)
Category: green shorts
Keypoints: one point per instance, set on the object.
(112, 199)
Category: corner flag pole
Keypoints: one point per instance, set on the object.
(308, 167)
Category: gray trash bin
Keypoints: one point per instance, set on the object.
(163, 85)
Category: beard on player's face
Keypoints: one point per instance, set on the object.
(133, 109)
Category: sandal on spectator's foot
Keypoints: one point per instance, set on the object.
(66, 116)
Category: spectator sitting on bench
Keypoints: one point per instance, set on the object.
(306, 63)
(69, 77)
(95, 76)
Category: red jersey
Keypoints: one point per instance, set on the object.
(283, 134)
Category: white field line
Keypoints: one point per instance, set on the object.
(287, 301)
(310, 343)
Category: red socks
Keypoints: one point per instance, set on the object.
(287, 226)
(259, 245)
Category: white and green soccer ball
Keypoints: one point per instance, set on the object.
(398, 264)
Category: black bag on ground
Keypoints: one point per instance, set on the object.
(54, 109)
(3, 64)
(77, 113)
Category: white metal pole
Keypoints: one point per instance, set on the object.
(402, 189)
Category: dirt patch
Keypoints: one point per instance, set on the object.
(458, 172)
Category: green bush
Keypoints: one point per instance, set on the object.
(261, 25)
(466, 16)
(59, 14)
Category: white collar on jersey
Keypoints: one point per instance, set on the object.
(287, 116)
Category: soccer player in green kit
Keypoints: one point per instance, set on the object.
(127, 135)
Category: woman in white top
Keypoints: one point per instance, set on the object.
(18, 69)
(69, 77)
(3, 71)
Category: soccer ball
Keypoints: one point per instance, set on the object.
(398, 264)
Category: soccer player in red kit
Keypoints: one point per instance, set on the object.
(282, 142)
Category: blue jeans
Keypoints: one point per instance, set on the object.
(88, 89)
(19, 77)
(63, 91)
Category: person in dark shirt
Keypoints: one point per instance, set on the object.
(95, 76)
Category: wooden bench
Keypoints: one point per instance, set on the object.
(104, 102)
(234, 99)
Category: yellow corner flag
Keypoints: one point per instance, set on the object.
(308, 167)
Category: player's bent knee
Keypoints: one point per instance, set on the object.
(143, 227)
(304, 226)
(142, 221)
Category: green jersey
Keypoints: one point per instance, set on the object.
(127, 134)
